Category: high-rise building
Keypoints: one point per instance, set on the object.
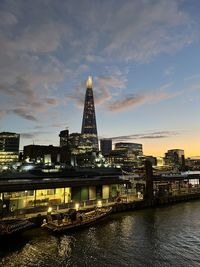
(89, 127)
(106, 146)
(9, 147)
(64, 137)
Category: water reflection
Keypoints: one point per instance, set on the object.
(167, 236)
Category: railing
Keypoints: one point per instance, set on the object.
(186, 191)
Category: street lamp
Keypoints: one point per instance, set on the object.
(26, 192)
(77, 206)
(49, 210)
(99, 203)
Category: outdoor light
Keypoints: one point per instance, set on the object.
(99, 204)
(77, 206)
(49, 209)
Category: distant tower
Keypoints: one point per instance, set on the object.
(64, 138)
(89, 127)
(106, 146)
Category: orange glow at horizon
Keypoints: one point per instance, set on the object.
(190, 145)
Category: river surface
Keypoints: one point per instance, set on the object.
(167, 236)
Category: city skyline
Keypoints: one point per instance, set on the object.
(143, 57)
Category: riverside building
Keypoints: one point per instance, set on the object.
(29, 192)
(175, 158)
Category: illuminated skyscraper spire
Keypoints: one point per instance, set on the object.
(89, 127)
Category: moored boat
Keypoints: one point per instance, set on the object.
(12, 226)
(75, 220)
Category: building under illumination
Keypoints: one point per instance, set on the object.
(28, 191)
(174, 157)
(9, 147)
(89, 127)
(130, 148)
(126, 154)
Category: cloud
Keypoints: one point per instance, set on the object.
(132, 101)
(195, 86)
(52, 101)
(45, 45)
(195, 76)
(23, 113)
(7, 18)
(25, 101)
(151, 135)
(57, 124)
(3, 113)
(111, 82)
(169, 71)
(107, 88)
(94, 59)
(32, 135)
(141, 30)
(29, 71)
(43, 39)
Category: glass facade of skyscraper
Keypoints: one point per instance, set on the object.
(89, 127)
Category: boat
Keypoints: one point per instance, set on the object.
(74, 220)
(12, 226)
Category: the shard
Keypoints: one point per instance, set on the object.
(89, 127)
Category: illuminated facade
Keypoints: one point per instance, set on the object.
(174, 157)
(89, 128)
(126, 154)
(58, 196)
(130, 148)
(9, 147)
(63, 192)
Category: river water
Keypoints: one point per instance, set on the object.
(167, 236)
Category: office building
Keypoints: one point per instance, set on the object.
(64, 137)
(9, 147)
(126, 154)
(130, 148)
(174, 157)
(106, 146)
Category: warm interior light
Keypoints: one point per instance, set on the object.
(77, 206)
(99, 204)
(49, 209)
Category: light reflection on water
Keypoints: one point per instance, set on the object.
(168, 236)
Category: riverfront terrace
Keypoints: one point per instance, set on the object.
(25, 193)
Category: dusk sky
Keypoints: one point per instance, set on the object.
(144, 56)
